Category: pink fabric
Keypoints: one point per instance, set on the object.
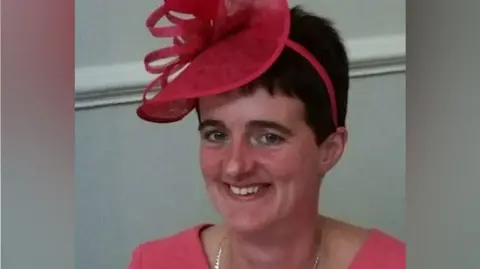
(184, 250)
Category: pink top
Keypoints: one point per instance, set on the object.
(184, 250)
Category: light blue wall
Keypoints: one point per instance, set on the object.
(113, 31)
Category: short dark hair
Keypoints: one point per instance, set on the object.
(292, 75)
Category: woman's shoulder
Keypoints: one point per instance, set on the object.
(380, 250)
(179, 250)
(354, 247)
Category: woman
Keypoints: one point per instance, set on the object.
(270, 91)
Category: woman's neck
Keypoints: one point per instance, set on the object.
(289, 244)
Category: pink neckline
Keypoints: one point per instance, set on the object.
(198, 230)
(356, 260)
(360, 253)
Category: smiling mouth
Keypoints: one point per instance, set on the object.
(251, 191)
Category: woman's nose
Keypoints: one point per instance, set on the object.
(238, 159)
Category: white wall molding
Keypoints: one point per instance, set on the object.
(117, 84)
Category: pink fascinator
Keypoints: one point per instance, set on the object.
(222, 46)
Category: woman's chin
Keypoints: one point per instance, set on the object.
(240, 224)
(245, 213)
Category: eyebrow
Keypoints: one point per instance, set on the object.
(270, 125)
(255, 124)
(210, 123)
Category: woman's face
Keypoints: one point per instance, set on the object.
(259, 158)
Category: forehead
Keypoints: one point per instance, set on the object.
(237, 106)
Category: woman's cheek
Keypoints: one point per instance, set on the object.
(210, 162)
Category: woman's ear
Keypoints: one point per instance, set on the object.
(331, 150)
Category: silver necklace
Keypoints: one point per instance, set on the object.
(220, 250)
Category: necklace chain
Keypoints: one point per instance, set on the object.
(220, 250)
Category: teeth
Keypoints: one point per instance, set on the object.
(244, 191)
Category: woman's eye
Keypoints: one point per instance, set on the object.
(270, 139)
(214, 136)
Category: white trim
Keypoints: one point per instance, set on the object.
(123, 83)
